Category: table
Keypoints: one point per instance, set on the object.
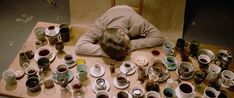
(20, 89)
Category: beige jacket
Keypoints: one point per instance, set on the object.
(125, 18)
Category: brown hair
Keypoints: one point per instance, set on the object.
(114, 44)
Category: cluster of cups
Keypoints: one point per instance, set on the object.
(56, 36)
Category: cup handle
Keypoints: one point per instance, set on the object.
(78, 76)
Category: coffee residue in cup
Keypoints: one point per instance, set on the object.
(44, 52)
(210, 94)
(186, 88)
(102, 96)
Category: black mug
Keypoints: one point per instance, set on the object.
(194, 47)
(180, 44)
(64, 33)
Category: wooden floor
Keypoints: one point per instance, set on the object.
(166, 15)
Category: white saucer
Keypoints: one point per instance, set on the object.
(94, 87)
(70, 65)
(183, 77)
(37, 57)
(123, 68)
(164, 78)
(53, 34)
(178, 95)
(96, 75)
(118, 86)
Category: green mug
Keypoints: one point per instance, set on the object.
(82, 72)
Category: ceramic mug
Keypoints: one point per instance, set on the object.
(214, 71)
(137, 92)
(40, 33)
(43, 63)
(171, 62)
(168, 47)
(127, 66)
(9, 76)
(122, 79)
(82, 72)
(52, 35)
(210, 92)
(33, 84)
(68, 59)
(101, 84)
(168, 92)
(152, 94)
(180, 44)
(227, 78)
(65, 34)
(102, 94)
(186, 89)
(44, 52)
(122, 94)
(31, 71)
(204, 60)
(62, 69)
(194, 47)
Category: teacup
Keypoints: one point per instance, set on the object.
(152, 94)
(168, 92)
(227, 78)
(127, 66)
(68, 59)
(82, 72)
(210, 92)
(171, 62)
(101, 84)
(214, 71)
(40, 33)
(102, 94)
(122, 79)
(43, 63)
(31, 71)
(204, 60)
(122, 94)
(33, 84)
(186, 89)
(185, 69)
(62, 69)
(9, 77)
(44, 52)
(168, 47)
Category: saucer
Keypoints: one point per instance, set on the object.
(183, 77)
(123, 68)
(94, 88)
(70, 76)
(53, 34)
(53, 54)
(118, 86)
(70, 65)
(141, 60)
(96, 75)
(173, 68)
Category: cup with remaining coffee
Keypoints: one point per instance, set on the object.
(186, 89)
(204, 60)
(137, 92)
(169, 92)
(31, 71)
(122, 79)
(33, 84)
(68, 59)
(77, 87)
(152, 94)
(185, 69)
(210, 92)
(44, 52)
(122, 94)
(227, 78)
(102, 94)
(101, 84)
(214, 71)
(43, 63)
(62, 69)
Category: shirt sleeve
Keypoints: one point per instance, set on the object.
(150, 35)
(87, 43)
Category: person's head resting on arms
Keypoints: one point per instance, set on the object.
(115, 43)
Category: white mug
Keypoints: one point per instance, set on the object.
(227, 77)
(214, 71)
(168, 47)
(9, 77)
(210, 92)
(186, 90)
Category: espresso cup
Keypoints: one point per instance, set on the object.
(171, 62)
(204, 60)
(82, 72)
(40, 33)
(168, 47)
(121, 79)
(122, 94)
(101, 84)
(185, 69)
(9, 77)
(186, 89)
(31, 71)
(214, 71)
(127, 66)
(44, 52)
(210, 92)
(168, 92)
(62, 69)
(227, 77)
(68, 59)
(33, 84)
(152, 94)
(102, 94)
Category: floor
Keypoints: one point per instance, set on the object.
(18, 17)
